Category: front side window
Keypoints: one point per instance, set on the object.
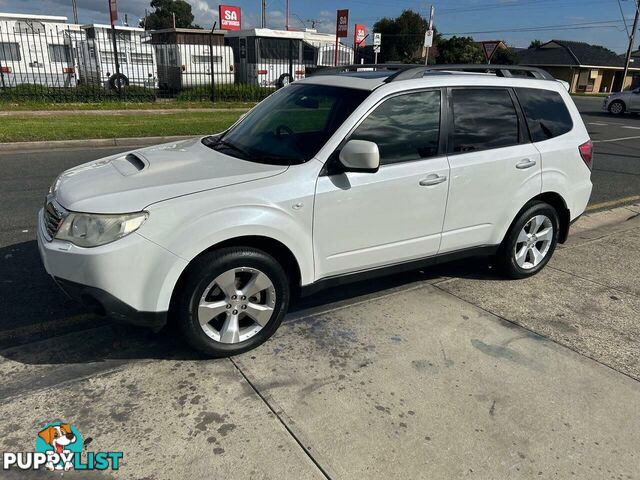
(546, 114)
(291, 125)
(483, 118)
(405, 127)
(10, 52)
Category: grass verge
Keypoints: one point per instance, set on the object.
(29, 106)
(18, 128)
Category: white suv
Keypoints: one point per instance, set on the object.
(331, 179)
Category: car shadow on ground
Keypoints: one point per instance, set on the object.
(39, 325)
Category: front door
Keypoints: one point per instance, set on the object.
(368, 220)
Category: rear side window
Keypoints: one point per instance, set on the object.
(9, 52)
(405, 127)
(483, 118)
(547, 115)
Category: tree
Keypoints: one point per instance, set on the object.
(459, 50)
(162, 16)
(535, 43)
(506, 56)
(402, 37)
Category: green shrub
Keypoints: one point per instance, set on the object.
(81, 93)
(226, 93)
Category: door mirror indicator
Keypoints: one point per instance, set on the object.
(360, 156)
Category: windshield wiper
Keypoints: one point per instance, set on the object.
(230, 145)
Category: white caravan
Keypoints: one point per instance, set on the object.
(137, 57)
(266, 57)
(324, 45)
(37, 50)
(185, 58)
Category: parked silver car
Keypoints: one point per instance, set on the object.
(622, 102)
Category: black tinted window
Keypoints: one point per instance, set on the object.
(546, 113)
(483, 119)
(405, 127)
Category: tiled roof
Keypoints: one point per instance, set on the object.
(564, 52)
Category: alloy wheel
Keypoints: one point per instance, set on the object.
(616, 108)
(534, 242)
(236, 305)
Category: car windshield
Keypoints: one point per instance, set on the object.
(290, 126)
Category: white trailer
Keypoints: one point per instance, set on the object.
(136, 57)
(266, 57)
(37, 50)
(185, 57)
(324, 45)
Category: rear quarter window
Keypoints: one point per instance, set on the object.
(546, 113)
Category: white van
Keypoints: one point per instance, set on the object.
(35, 49)
(266, 57)
(136, 57)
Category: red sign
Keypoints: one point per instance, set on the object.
(342, 23)
(490, 49)
(113, 11)
(359, 35)
(230, 17)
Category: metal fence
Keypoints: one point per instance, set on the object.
(70, 63)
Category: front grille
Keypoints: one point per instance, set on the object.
(53, 217)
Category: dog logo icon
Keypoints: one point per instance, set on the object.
(62, 439)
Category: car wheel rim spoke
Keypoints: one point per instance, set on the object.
(230, 331)
(259, 313)
(259, 282)
(207, 311)
(230, 314)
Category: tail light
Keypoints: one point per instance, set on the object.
(69, 70)
(231, 68)
(586, 152)
(5, 69)
(183, 68)
(262, 72)
(299, 72)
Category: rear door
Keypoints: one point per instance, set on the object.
(495, 169)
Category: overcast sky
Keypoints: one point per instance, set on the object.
(515, 21)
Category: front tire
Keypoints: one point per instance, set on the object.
(617, 107)
(530, 242)
(232, 300)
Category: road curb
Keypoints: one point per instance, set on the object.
(96, 142)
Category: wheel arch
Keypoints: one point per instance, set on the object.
(269, 245)
(558, 203)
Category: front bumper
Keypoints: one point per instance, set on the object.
(131, 279)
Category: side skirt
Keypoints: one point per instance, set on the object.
(376, 272)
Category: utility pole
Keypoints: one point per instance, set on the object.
(286, 15)
(431, 13)
(263, 7)
(74, 6)
(632, 39)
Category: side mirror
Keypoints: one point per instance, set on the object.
(360, 156)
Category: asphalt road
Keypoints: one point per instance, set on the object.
(30, 305)
(616, 173)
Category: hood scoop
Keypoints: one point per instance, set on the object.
(129, 164)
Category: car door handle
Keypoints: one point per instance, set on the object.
(525, 164)
(433, 180)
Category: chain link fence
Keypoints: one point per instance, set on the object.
(92, 63)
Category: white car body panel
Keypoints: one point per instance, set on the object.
(477, 213)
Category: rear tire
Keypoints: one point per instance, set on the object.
(617, 107)
(232, 300)
(530, 241)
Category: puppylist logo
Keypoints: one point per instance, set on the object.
(60, 446)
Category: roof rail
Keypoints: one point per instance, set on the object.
(411, 71)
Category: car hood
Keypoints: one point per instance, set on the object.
(130, 181)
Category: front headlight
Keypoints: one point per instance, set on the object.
(92, 230)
